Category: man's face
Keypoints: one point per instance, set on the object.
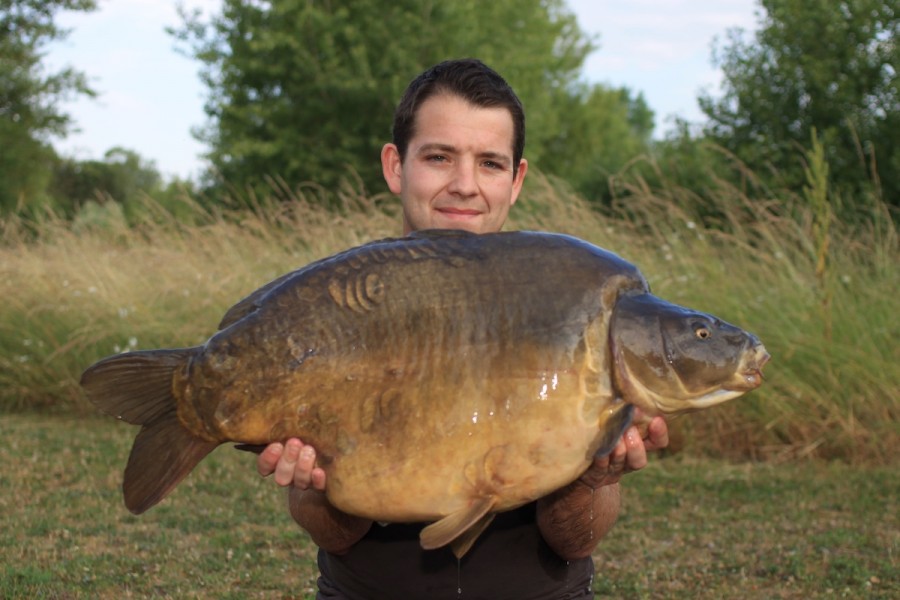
(458, 171)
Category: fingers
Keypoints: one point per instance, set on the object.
(607, 469)
(268, 458)
(293, 464)
(317, 479)
(635, 453)
(630, 454)
(617, 458)
(657, 434)
(657, 430)
(290, 467)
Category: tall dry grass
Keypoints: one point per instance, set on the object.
(820, 294)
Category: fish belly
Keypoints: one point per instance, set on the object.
(419, 384)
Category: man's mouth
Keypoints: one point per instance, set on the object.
(458, 212)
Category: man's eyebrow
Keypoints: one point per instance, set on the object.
(496, 156)
(435, 147)
(449, 148)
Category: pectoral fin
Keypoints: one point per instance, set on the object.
(613, 425)
(457, 525)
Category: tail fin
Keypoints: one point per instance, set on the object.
(137, 388)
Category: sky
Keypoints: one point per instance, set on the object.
(150, 96)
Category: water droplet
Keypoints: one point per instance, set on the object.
(591, 515)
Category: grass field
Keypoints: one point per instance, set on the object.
(691, 528)
(789, 492)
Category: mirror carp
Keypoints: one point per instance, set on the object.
(441, 377)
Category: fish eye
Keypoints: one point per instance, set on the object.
(702, 332)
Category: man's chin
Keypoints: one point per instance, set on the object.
(473, 223)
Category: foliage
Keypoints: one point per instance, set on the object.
(815, 287)
(602, 129)
(123, 177)
(305, 90)
(29, 96)
(817, 64)
(692, 171)
(688, 530)
(818, 290)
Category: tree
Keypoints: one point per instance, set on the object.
(305, 89)
(828, 65)
(122, 176)
(122, 184)
(29, 96)
(600, 131)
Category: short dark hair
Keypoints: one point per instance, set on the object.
(471, 80)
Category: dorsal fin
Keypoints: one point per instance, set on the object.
(251, 302)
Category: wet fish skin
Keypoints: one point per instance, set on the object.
(694, 361)
(441, 377)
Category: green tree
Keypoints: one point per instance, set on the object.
(828, 65)
(29, 97)
(122, 183)
(305, 89)
(121, 176)
(600, 130)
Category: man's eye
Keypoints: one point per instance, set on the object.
(437, 158)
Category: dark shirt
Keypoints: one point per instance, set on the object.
(509, 560)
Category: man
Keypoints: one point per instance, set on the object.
(456, 162)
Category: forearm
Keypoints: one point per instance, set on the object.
(332, 530)
(575, 518)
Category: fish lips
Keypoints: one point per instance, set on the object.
(750, 376)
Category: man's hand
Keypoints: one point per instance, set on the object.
(293, 463)
(574, 519)
(630, 454)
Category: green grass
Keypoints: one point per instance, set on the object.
(717, 530)
(67, 534)
(691, 528)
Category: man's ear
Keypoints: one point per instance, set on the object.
(392, 167)
(518, 181)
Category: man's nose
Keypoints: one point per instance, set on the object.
(463, 182)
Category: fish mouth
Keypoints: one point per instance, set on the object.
(751, 376)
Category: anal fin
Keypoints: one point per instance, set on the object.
(453, 526)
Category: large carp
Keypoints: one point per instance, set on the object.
(442, 377)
